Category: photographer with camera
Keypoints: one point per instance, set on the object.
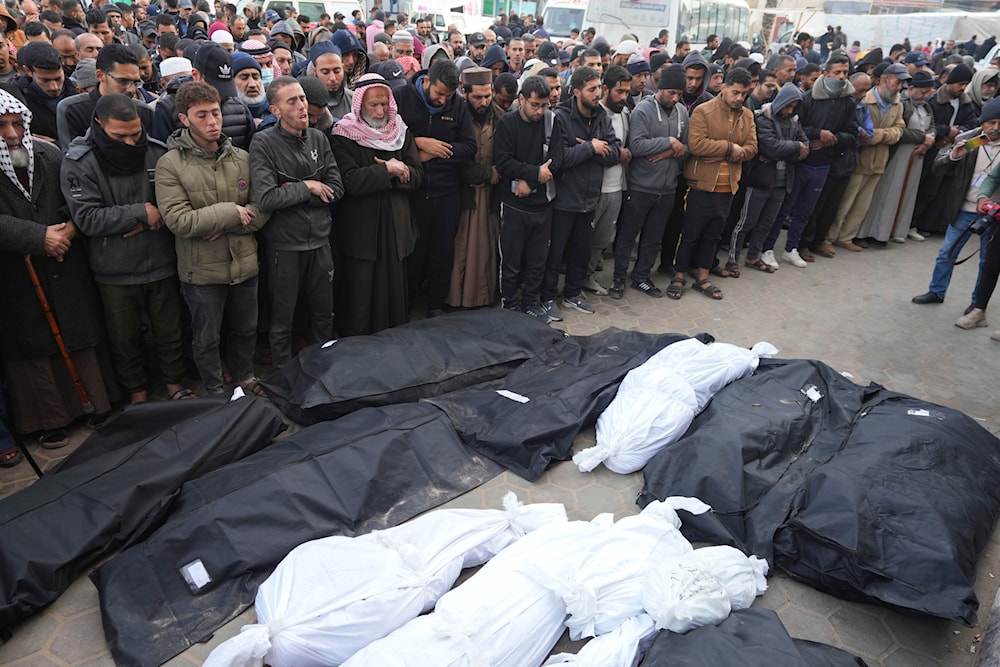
(989, 268)
(966, 166)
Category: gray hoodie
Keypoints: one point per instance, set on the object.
(650, 129)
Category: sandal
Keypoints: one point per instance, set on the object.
(182, 395)
(53, 439)
(760, 265)
(10, 457)
(253, 386)
(733, 269)
(706, 287)
(676, 288)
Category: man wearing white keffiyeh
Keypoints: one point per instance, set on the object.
(34, 222)
(374, 231)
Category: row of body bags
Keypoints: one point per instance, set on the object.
(657, 401)
(358, 601)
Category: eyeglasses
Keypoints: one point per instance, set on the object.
(126, 83)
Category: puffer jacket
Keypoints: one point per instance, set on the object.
(888, 129)
(820, 111)
(106, 207)
(198, 191)
(714, 129)
(237, 121)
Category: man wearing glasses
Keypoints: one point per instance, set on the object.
(117, 72)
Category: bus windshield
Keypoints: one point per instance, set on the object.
(700, 18)
(560, 20)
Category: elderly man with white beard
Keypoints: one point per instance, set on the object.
(38, 237)
(249, 87)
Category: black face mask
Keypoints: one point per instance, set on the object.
(117, 157)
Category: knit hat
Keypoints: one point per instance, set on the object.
(880, 69)
(637, 64)
(322, 48)
(922, 80)
(991, 111)
(242, 61)
(658, 60)
(85, 74)
(315, 91)
(673, 78)
(216, 27)
(961, 74)
(627, 46)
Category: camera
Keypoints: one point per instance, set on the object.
(991, 215)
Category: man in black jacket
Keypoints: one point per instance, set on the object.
(442, 129)
(295, 178)
(43, 85)
(117, 72)
(588, 147)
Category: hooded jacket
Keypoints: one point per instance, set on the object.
(691, 101)
(198, 192)
(778, 141)
(279, 163)
(495, 54)
(452, 124)
(715, 128)
(428, 55)
(348, 43)
(819, 111)
(581, 170)
(292, 29)
(650, 129)
(888, 129)
(106, 207)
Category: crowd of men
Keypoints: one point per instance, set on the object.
(223, 183)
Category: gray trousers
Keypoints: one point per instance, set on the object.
(311, 273)
(605, 221)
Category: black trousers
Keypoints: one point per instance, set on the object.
(429, 265)
(524, 249)
(643, 215)
(571, 233)
(704, 217)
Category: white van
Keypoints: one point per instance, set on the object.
(311, 8)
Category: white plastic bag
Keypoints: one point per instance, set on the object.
(330, 597)
(657, 401)
(622, 647)
(500, 617)
(744, 578)
(607, 586)
(681, 597)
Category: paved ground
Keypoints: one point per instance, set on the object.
(853, 312)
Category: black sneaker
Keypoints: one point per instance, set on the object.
(617, 290)
(648, 287)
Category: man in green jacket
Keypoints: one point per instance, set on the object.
(203, 188)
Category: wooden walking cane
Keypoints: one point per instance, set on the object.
(88, 407)
(902, 193)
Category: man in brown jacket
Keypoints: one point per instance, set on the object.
(886, 110)
(721, 138)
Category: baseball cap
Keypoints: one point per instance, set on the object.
(564, 57)
(637, 64)
(477, 39)
(915, 58)
(216, 67)
(147, 28)
(338, 15)
(185, 4)
(271, 15)
(899, 71)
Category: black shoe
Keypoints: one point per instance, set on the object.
(617, 289)
(665, 269)
(861, 243)
(648, 287)
(929, 297)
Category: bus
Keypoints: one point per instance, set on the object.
(691, 20)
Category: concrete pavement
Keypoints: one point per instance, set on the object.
(852, 312)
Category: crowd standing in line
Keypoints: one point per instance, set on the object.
(234, 185)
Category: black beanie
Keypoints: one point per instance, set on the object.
(961, 74)
(658, 60)
(991, 111)
(673, 78)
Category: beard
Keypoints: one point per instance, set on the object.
(479, 115)
(19, 157)
(252, 100)
(377, 123)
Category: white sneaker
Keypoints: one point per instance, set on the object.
(898, 239)
(792, 257)
(915, 235)
(768, 258)
(591, 285)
